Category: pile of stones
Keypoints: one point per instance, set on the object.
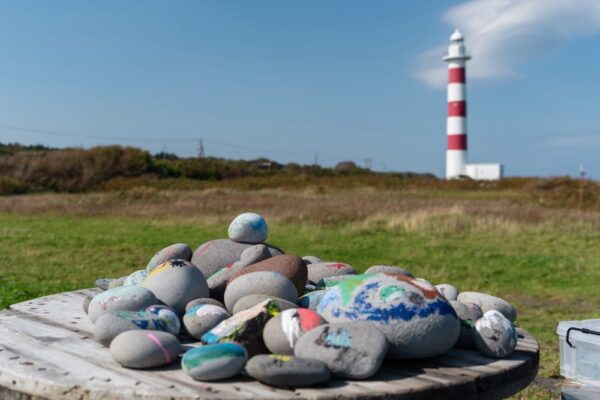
(242, 306)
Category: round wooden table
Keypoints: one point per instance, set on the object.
(47, 351)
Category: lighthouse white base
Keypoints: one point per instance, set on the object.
(456, 162)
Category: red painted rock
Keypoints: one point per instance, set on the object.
(318, 271)
(290, 266)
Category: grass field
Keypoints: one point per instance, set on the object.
(546, 261)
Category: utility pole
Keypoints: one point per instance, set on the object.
(201, 149)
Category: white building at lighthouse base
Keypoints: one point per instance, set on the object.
(484, 172)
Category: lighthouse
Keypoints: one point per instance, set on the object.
(456, 122)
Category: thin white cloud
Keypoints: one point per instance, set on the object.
(500, 34)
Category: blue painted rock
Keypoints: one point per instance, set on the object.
(145, 349)
(288, 265)
(113, 323)
(495, 335)
(468, 313)
(244, 327)
(215, 361)
(176, 283)
(124, 298)
(251, 300)
(117, 282)
(388, 269)
(312, 299)
(283, 331)
(204, 300)
(202, 318)
(318, 271)
(311, 260)
(287, 371)
(248, 228)
(103, 283)
(353, 350)
(487, 302)
(264, 282)
(136, 278)
(450, 292)
(177, 251)
(416, 319)
(216, 254)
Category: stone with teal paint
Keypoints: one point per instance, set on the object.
(331, 281)
(262, 282)
(145, 349)
(248, 228)
(177, 251)
(244, 327)
(388, 269)
(352, 350)
(321, 270)
(495, 335)
(214, 361)
(415, 318)
(123, 298)
(488, 302)
(287, 371)
(135, 278)
(203, 317)
(312, 299)
(111, 324)
(468, 313)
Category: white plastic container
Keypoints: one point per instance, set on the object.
(582, 360)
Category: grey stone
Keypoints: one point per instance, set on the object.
(177, 251)
(318, 271)
(203, 317)
(86, 302)
(311, 260)
(214, 361)
(331, 281)
(251, 300)
(353, 350)
(488, 302)
(117, 282)
(103, 283)
(204, 300)
(450, 292)
(176, 283)
(248, 228)
(216, 254)
(263, 282)
(388, 269)
(468, 313)
(136, 278)
(123, 298)
(416, 319)
(111, 324)
(283, 331)
(311, 300)
(495, 335)
(145, 349)
(287, 371)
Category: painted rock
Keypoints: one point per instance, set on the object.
(495, 335)
(202, 318)
(177, 251)
(263, 282)
(103, 283)
(136, 278)
(416, 319)
(487, 302)
(283, 331)
(248, 228)
(388, 269)
(176, 283)
(468, 313)
(290, 266)
(311, 300)
(287, 371)
(204, 300)
(311, 260)
(251, 300)
(450, 292)
(216, 254)
(244, 327)
(124, 298)
(218, 281)
(117, 282)
(113, 323)
(145, 349)
(332, 281)
(353, 350)
(86, 302)
(318, 271)
(215, 361)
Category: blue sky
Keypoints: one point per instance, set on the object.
(347, 79)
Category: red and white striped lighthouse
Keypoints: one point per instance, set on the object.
(456, 124)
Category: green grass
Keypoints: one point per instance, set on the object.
(549, 272)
